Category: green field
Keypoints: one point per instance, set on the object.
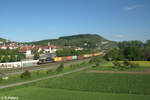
(37, 93)
(141, 63)
(85, 85)
(101, 82)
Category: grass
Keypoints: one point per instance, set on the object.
(108, 68)
(143, 66)
(101, 82)
(37, 93)
(42, 73)
(87, 86)
(141, 63)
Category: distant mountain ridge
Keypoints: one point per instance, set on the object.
(80, 40)
(2, 40)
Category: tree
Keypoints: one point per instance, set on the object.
(126, 62)
(5, 59)
(60, 68)
(25, 75)
(19, 57)
(113, 54)
(12, 58)
(97, 60)
(36, 56)
(148, 43)
(117, 63)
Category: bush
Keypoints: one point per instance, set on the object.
(133, 65)
(37, 72)
(48, 71)
(84, 62)
(1, 79)
(25, 75)
(117, 63)
(36, 56)
(60, 68)
(126, 62)
(71, 66)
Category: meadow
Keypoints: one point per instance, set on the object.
(42, 73)
(85, 85)
(37, 93)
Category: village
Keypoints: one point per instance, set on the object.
(31, 53)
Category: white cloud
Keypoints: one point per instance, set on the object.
(133, 7)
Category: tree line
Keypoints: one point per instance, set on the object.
(72, 52)
(10, 55)
(131, 50)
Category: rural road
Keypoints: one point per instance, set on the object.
(48, 77)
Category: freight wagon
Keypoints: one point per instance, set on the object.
(67, 58)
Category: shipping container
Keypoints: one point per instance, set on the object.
(80, 57)
(86, 55)
(28, 64)
(67, 58)
(58, 59)
(74, 57)
(93, 54)
(90, 55)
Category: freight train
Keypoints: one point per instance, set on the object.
(67, 58)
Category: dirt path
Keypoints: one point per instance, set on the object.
(121, 72)
(48, 77)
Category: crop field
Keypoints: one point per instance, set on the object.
(141, 63)
(37, 93)
(101, 82)
(85, 85)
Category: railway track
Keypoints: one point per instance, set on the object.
(41, 67)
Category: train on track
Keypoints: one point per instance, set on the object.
(69, 58)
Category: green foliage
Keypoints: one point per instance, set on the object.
(48, 71)
(97, 60)
(12, 58)
(101, 82)
(72, 52)
(36, 56)
(91, 40)
(125, 65)
(130, 53)
(30, 93)
(60, 68)
(126, 62)
(148, 43)
(10, 55)
(1, 79)
(117, 63)
(37, 72)
(133, 43)
(25, 75)
(5, 59)
(133, 65)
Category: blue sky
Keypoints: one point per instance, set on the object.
(31, 20)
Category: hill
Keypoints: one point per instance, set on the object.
(81, 40)
(2, 39)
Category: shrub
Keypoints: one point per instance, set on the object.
(1, 79)
(133, 65)
(25, 75)
(117, 63)
(48, 71)
(37, 72)
(36, 56)
(60, 68)
(126, 62)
